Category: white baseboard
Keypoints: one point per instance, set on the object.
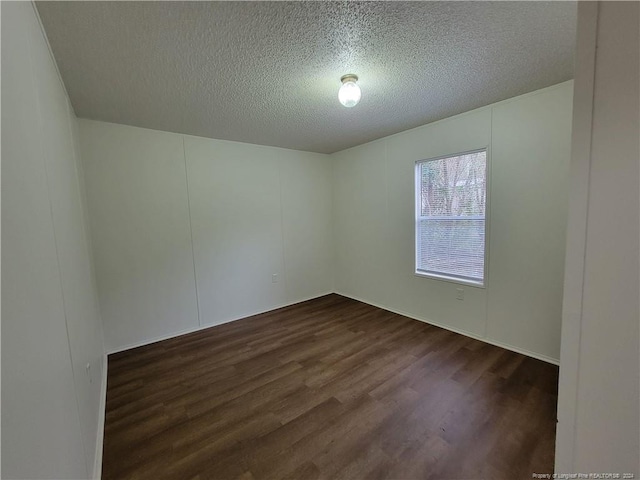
(204, 327)
(490, 341)
(506, 346)
(97, 465)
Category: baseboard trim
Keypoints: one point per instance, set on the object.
(506, 346)
(204, 327)
(528, 353)
(97, 464)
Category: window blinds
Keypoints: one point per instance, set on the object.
(450, 217)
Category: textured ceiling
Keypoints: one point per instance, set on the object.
(269, 72)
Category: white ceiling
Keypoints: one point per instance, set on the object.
(269, 72)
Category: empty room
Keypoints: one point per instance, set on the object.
(255, 240)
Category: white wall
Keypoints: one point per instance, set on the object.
(529, 147)
(51, 326)
(598, 410)
(257, 211)
(188, 231)
(139, 216)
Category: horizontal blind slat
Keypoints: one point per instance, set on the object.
(451, 221)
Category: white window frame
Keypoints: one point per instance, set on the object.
(417, 204)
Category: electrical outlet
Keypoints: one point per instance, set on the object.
(460, 293)
(274, 278)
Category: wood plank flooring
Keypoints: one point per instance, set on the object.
(330, 388)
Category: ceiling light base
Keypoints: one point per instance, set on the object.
(349, 94)
(349, 77)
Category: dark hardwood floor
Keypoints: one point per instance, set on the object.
(330, 388)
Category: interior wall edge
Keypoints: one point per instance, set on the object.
(52, 400)
(580, 164)
(76, 162)
(78, 180)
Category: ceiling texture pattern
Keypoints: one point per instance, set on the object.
(269, 72)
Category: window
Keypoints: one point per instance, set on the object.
(451, 194)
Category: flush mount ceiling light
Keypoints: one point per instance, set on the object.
(349, 94)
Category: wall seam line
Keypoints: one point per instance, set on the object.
(193, 253)
(282, 236)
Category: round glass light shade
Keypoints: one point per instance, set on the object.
(349, 94)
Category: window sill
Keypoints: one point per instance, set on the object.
(444, 278)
